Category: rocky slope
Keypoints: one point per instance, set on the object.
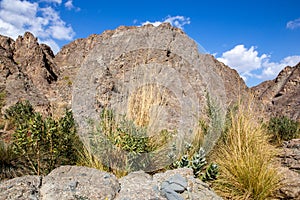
(281, 96)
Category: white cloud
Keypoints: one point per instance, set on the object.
(52, 1)
(178, 21)
(293, 24)
(18, 16)
(242, 59)
(271, 69)
(69, 5)
(250, 64)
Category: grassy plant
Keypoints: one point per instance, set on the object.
(245, 159)
(123, 146)
(86, 158)
(283, 128)
(142, 103)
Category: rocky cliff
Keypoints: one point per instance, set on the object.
(281, 96)
(27, 71)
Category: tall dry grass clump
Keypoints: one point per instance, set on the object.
(246, 159)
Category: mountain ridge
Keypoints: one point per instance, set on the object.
(49, 78)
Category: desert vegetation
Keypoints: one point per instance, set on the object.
(246, 158)
(241, 166)
(38, 144)
(282, 129)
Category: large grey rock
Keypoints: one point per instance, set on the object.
(69, 182)
(138, 185)
(74, 183)
(175, 184)
(153, 72)
(194, 188)
(22, 188)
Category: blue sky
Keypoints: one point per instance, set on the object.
(257, 38)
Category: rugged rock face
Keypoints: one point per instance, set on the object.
(27, 71)
(71, 182)
(281, 96)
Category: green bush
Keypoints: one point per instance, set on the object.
(42, 144)
(283, 128)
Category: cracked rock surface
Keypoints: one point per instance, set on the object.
(73, 182)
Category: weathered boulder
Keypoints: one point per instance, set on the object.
(171, 185)
(73, 182)
(69, 182)
(23, 188)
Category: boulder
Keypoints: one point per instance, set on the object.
(74, 182)
(69, 182)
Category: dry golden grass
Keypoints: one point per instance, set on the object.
(246, 160)
(142, 101)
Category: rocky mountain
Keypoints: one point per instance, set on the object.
(47, 79)
(27, 71)
(30, 70)
(281, 96)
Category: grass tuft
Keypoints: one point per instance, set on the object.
(246, 159)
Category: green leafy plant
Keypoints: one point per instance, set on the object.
(283, 128)
(197, 162)
(42, 143)
(211, 173)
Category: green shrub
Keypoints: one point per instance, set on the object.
(42, 144)
(283, 128)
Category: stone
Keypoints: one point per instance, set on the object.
(138, 185)
(70, 182)
(290, 160)
(171, 194)
(178, 181)
(290, 156)
(74, 182)
(23, 188)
